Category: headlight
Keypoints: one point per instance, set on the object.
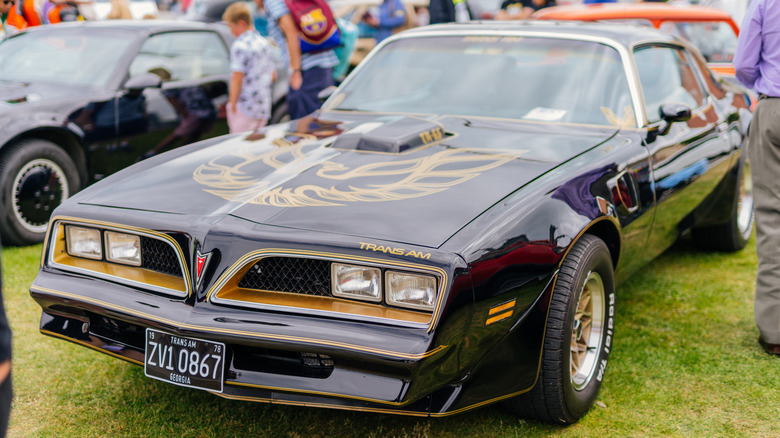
(84, 242)
(123, 248)
(411, 290)
(356, 282)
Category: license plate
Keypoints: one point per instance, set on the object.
(194, 363)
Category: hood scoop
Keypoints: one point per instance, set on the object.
(391, 135)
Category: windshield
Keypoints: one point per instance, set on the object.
(715, 39)
(67, 58)
(540, 79)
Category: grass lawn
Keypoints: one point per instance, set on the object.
(685, 363)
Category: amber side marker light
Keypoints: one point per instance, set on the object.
(500, 312)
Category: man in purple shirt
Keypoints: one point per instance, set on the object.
(757, 62)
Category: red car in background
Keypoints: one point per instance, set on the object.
(712, 30)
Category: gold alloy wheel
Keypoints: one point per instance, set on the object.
(587, 331)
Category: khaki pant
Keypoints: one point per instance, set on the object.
(764, 152)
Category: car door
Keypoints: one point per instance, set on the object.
(688, 157)
(193, 67)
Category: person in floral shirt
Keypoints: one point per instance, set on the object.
(252, 67)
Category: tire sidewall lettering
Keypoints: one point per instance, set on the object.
(609, 334)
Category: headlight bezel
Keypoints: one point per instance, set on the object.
(56, 255)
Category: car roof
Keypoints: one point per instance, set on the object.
(146, 26)
(624, 34)
(617, 11)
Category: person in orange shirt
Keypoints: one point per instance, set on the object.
(12, 21)
(5, 8)
(21, 15)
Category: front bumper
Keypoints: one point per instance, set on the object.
(270, 357)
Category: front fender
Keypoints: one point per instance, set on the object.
(18, 126)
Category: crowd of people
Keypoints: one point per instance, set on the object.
(312, 67)
(18, 15)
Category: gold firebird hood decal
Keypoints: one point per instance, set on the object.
(230, 177)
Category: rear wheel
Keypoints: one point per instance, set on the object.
(578, 337)
(35, 177)
(733, 235)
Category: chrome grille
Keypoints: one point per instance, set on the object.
(157, 255)
(289, 274)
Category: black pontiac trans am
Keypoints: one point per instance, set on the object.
(448, 231)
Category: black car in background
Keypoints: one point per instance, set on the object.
(79, 101)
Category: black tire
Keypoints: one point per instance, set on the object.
(576, 347)
(733, 235)
(35, 177)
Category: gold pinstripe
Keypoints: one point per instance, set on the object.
(261, 253)
(326, 394)
(257, 335)
(370, 409)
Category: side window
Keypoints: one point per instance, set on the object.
(667, 77)
(711, 85)
(178, 56)
(715, 39)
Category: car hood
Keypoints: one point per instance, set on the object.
(368, 176)
(19, 93)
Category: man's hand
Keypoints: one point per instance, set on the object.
(5, 370)
(296, 80)
(287, 25)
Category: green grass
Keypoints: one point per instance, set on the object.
(685, 363)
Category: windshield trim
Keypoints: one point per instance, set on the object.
(623, 52)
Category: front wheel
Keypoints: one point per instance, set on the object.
(35, 177)
(578, 337)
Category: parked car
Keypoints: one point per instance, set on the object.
(84, 100)
(433, 240)
(210, 11)
(711, 30)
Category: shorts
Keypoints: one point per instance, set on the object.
(240, 122)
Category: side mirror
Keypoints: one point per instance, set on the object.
(673, 112)
(138, 83)
(326, 93)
